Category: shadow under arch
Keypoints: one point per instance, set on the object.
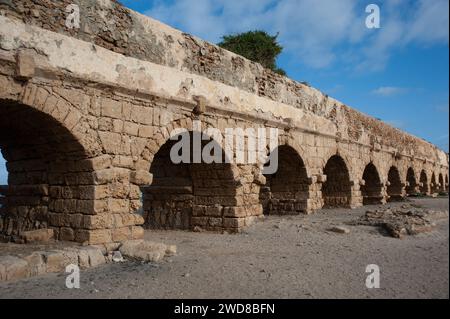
(186, 194)
(372, 188)
(411, 182)
(441, 183)
(423, 183)
(336, 190)
(46, 167)
(395, 186)
(286, 192)
(434, 187)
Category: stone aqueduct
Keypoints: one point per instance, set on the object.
(85, 118)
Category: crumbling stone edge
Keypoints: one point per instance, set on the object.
(38, 263)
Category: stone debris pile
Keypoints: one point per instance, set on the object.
(38, 263)
(400, 221)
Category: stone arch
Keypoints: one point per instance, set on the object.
(446, 182)
(411, 182)
(336, 190)
(344, 156)
(372, 188)
(286, 191)
(301, 152)
(190, 195)
(160, 136)
(423, 183)
(395, 186)
(51, 182)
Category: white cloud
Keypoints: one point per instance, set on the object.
(444, 107)
(403, 22)
(317, 33)
(389, 91)
(211, 19)
(430, 22)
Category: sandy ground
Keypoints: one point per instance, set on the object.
(280, 257)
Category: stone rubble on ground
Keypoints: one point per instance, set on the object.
(53, 261)
(42, 262)
(405, 220)
(340, 229)
(146, 251)
(117, 257)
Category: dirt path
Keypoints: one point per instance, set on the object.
(290, 257)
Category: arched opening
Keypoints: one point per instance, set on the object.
(434, 184)
(44, 174)
(441, 183)
(372, 188)
(411, 182)
(423, 183)
(446, 182)
(188, 195)
(395, 187)
(286, 191)
(336, 190)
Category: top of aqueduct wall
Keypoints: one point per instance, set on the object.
(109, 25)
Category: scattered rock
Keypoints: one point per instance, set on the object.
(36, 264)
(117, 257)
(145, 250)
(340, 229)
(35, 13)
(12, 268)
(401, 221)
(171, 250)
(41, 262)
(95, 256)
(197, 229)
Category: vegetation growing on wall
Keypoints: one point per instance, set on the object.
(258, 46)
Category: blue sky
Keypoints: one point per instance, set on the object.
(398, 73)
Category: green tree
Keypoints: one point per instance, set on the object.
(257, 46)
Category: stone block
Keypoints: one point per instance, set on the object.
(36, 264)
(39, 235)
(25, 65)
(93, 237)
(58, 260)
(12, 268)
(144, 250)
(137, 232)
(131, 128)
(111, 108)
(66, 234)
(141, 177)
(121, 234)
(233, 222)
(95, 255)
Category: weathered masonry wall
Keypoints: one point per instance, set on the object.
(86, 115)
(109, 25)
